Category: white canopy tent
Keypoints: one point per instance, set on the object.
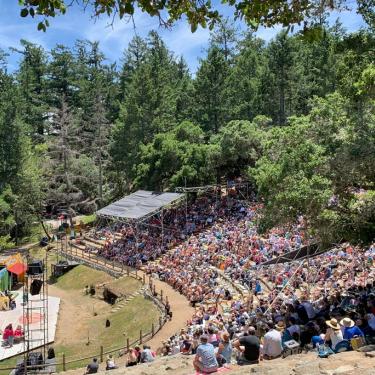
(138, 206)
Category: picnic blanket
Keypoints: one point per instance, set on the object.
(219, 370)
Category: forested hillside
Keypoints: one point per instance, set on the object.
(295, 117)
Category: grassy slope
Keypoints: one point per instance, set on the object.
(138, 314)
(80, 276)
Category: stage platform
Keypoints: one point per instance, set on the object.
(16, 318)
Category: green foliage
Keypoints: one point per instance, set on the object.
(175, 158)
(295, 115)
(210, 97)
(237, 146)
(256, 13)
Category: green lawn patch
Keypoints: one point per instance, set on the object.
(81, 276)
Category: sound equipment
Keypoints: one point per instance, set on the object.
(35, 267)
(35, 287)
(34, 359)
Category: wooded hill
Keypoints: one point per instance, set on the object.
(296, 117)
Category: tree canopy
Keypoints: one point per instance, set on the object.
(255, 13)
(294, 117)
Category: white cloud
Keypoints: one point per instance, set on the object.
(182, 41)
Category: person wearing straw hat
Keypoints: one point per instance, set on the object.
(350, 329)
(333, 333)
(272, 343)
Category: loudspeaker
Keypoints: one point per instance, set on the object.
(35, 287)
(35, 267)
(35, 359)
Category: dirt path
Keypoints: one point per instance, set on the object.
(180, 307)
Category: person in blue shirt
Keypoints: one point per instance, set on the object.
(205, 358)
(258, 287)
(350, 329)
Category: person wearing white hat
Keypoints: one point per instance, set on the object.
(350, 329)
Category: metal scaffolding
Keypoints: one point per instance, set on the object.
(35, 318)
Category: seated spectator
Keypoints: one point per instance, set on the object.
(8, 335)
(146, 355)
(93, 367)
(333, 334)
(133, 357)
(205, 359)
(249, 348)
(110, 363)
(224, 353)
(18, 333)
(272, 344)
(350, 329)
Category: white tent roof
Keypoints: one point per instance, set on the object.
(138, 205)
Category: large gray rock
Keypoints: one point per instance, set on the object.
(346, 369)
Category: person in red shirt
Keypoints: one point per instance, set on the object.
(8, 335)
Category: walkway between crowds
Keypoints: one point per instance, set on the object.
(180, 307)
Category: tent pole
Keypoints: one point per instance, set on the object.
(162, 227)
(284, 287)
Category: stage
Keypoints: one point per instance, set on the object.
(16, 318)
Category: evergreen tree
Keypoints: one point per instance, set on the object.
(210, 99)
(245, 81)
(149, 107)
(281, 58)
(32, 81)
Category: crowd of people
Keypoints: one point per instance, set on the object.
(231, 244)
(10, 335)
(326, 302)
(226, 225)
(337, 313)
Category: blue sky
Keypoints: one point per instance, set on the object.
(113, 40)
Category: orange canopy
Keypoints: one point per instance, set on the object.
(15, 264)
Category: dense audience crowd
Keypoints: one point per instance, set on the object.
(225, 227)
(326, 302)
(337, 313)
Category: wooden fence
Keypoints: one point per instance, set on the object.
(115, 270)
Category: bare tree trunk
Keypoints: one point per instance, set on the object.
(45, 229)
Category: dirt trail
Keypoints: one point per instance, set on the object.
(180, 307)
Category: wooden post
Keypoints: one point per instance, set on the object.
(152, 330)
(161, 295)
(127, 345)
(140, 336)
(154, 291)
(64, 362)
(101, 354)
